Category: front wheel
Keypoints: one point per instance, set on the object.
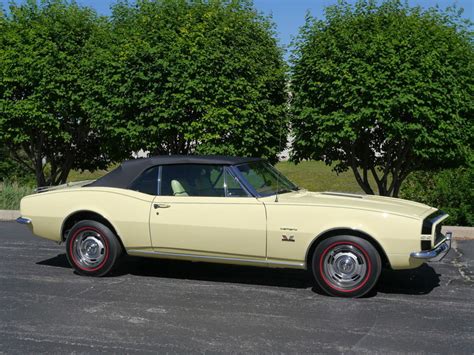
(92, 248)
(346, 266)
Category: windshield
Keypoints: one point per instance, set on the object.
(265, 179)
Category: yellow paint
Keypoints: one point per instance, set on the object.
(238, 230)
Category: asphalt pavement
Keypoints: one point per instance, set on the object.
(151, 305)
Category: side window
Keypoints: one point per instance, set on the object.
(233, 187)
(147, 182)
(192, 180)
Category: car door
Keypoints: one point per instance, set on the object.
(203, 210)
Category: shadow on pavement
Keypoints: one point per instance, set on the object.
(418, 281)
(215, 272)
(59, 260)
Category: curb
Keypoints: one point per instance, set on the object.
(459, 233)
(9, 215)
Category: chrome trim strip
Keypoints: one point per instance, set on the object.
(439, 219)
(437, 253)
(210, 258)
(341, 194)
(23, 220)
(62, 186)
(434, 223)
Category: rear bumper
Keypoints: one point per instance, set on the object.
(437, 253)
(23, 220)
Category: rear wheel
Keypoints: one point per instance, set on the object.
(92, 248)
(346, 266)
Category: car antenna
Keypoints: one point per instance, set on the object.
(279, 147)
(278, 174)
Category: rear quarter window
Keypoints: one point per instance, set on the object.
(147, 182)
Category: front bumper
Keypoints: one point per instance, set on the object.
(23, 220)
(437, 253)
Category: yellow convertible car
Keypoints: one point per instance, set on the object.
(238, 211)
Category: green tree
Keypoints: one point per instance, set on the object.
(451, 190)
(383, 90)
(49, 54)
(197, 76)
(11, 170)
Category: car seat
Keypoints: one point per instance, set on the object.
(178, 189)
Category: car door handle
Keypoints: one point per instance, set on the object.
(161, 205)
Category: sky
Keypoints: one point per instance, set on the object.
(289, 15)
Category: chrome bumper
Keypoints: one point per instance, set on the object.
(23, 220)
(437, 253)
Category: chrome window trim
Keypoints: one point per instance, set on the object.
(255, 193)
(228, 170)
(158, 181)
(236, 172)
(226, 194)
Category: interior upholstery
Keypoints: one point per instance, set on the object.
(178, 189)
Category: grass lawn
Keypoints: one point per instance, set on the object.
(317, 176)
(11, 194)
(311, 175)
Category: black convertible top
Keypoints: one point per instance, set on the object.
(129, 170)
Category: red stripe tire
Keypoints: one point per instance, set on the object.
(346, 266)
(92, 248)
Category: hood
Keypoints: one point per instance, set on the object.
(348, 200)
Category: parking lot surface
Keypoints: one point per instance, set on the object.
(151, 305)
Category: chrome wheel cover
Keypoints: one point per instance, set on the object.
(345, 266)
(89, 249)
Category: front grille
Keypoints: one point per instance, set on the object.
(439, 236)
(427, 227)
(425, 244)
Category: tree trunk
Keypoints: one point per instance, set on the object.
(65, 169)
(63, 176)
(383, 187)
(396, 189)
(40, 178)
(363, 184)
(39, 172)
